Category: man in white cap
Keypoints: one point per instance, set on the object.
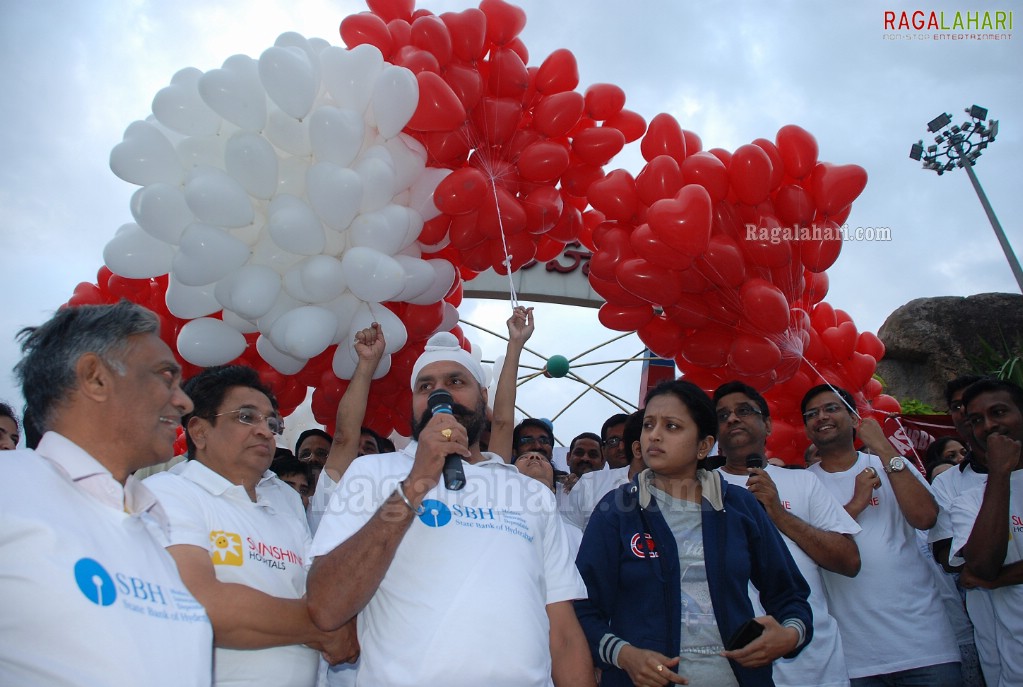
(427, 568)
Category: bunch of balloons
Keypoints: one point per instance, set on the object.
(523, 144)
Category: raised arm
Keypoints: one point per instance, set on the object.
(520, 328)
(351, 411)
(917, 504)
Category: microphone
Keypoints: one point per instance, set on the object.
(440, 401)
(755, 460)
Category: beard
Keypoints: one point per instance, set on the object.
(474, 421)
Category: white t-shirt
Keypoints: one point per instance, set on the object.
(263, 545)
(822, 662)
(325, 487)
(947, 487)
(890, 615)
(89, 595)
(588, 491)
(1006, 602)
(482, 561)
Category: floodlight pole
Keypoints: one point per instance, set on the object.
(995, 224)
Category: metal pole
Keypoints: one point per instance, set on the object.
(995, 224)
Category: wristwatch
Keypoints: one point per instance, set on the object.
(896, 464)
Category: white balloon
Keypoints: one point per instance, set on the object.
(444, 278)
(395, 335)
(287, 133)
(252, 162)
(215, 198)
(344, 308)
(206, 255)
(250, 292)
(304, 332)
(238, 322)
(318, 45)
(289, 79)
(206, 342)
(236, 93)
(336, 134)
(419, 277)
(335, 193)
(282, 362)
(345, 359)
(395, 97)
(421, 199)
(202, 151)
(180, 107)
(383, 367)
(282, 305)
(291, 175)
(190, 302)
(372, 276)
(377, 182)
(145, 156)
(320, 277)
(450, 318)
(409, 156)
(291, 39)
(161, 211)
(135, 254)
(266, 252)
(251, 233)
(294, 226)
(383, 231)
(349, 75)
(337, 243)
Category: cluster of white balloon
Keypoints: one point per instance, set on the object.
(282, 192)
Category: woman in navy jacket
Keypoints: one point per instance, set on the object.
(629, 559)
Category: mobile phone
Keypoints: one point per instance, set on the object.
(755, 460)
(749, 631)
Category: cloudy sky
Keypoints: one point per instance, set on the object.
(76, 74)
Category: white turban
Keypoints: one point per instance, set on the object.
(444, 347)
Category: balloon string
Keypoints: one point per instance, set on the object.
(512, 295)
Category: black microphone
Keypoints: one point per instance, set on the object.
(755, 460)
(440, 401)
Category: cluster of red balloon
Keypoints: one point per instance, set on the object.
(717, 259)
(390, 395)
(523, 144)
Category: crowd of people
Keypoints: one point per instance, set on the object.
(672, 549)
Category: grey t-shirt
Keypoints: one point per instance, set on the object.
(700, 641)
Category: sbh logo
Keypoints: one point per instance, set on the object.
(95, 582)
(435, 513)
(226, 548)
(643, 546)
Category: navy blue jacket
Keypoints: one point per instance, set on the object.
(635, 595)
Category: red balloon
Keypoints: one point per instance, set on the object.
(422, 320)
(869, 344)
(401, 32)
(519, 48)
(693, 281)
(723, 155)
(707, 171)
(392, 9)
(506, 216)
(777, 171)
(604, 100)
(597, 145)
(764, 306)
(649, 247)
(820, 250)
(568, 226)
(363, 28)
(794, 205)
(624, 318)
(461, 191)
(652, 283)
(693, 142)
(464, 232)
(543, 207)
(87, 294)
(578, 178)
(835, 187)
(465, 83)
(753, 355)
(766, 246)
(543, 162)
(886, 404)
(613, 293)
(439, 109)
(431, 34)
(664, 137)
(446, 148)
(559, 73)
(798, 150)
(688, 312)
(859, 368)
(612, 247)
(468, 31)
(722, 263)
(508, 77)
(683, 222)
(416, 60)
(661, 336)
(547, 249)
(495, 120)
(816, 288)
(750, 174)
(555, 115)
(631, 124)
(504, 21)
(521, 249)
(615, 195)
(707, 347)
(840, 340)
(660, 179)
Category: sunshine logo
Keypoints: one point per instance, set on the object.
(225, 548)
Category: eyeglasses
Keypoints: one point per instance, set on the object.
(741, 411)
(955, 406)
(829, 408)
(254, 418)
(308, 453)
(612, 442)
(543, 440)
